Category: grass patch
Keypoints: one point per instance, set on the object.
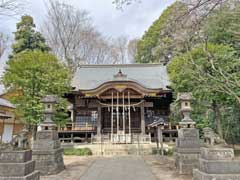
(237, 152)
(77, 152)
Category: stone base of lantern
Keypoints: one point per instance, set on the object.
(187, 150)
(47, 153)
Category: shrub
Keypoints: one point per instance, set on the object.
(78, 152)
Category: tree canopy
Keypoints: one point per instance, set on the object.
(35, 74)
(27, 38)
(209, 68)
(156, 45)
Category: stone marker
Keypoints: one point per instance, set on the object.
(47, 151)
(16, 160)
(217, 163)
(187, 143)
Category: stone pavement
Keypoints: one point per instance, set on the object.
(118, 168)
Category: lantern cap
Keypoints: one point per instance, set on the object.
(185, 96)
(49, 99)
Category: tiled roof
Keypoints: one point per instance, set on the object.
(152, 76)
(6, 103)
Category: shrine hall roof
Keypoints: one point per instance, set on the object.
(6, 103)
(152, 76)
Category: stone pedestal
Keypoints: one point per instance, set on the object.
(17, 165)
(187, 150)
(217, 164)
(47, 152)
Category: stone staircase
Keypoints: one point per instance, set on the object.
(108, 149)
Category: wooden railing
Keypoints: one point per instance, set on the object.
(78, 127)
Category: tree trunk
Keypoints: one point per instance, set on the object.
(34, 132)
(217, 117)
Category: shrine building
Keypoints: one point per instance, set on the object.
(118, 102)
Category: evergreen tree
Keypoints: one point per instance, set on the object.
(211, 73)
(27, 38)
(157, 44)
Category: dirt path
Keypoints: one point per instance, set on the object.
(163, 168)
(75, 167)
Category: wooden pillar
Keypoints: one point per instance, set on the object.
(112, 119)
(3, 124)
(74, 109)
(123, 118)
(99, 121)
(142, 119)
(160, 138)
(129, 113)
(117, 112)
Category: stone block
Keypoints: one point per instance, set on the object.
(15, 156)
(45, 144)
(16, 169)
(189, 143)
(217, 153)
(188, 133)
(49, 161)
(32, 176)
(199, 175)
(47, 134)
(187, 150)
(185, 162)
(219, 166)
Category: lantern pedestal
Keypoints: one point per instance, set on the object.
(187, 150)
(47, 152)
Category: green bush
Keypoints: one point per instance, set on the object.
(237, 152)
(78, 152)
(166, 152)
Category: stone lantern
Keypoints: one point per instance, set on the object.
(49, 102)
(47, 151)
(186, 109)
(187, 143)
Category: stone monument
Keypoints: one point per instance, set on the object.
(16, 160)
(47, 151)
(217, 163)
(210, 138)
(188, 143)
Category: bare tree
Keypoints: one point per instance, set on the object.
(132, 50)
(3, 43)
(72, 37)
(120, 3)
(65, 29)
(11, 7)
(120, 49)
(197, 7)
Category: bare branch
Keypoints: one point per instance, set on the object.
(3, 43)
(11, 7)
(73, 38)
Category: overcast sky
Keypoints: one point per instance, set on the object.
(131, 22)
